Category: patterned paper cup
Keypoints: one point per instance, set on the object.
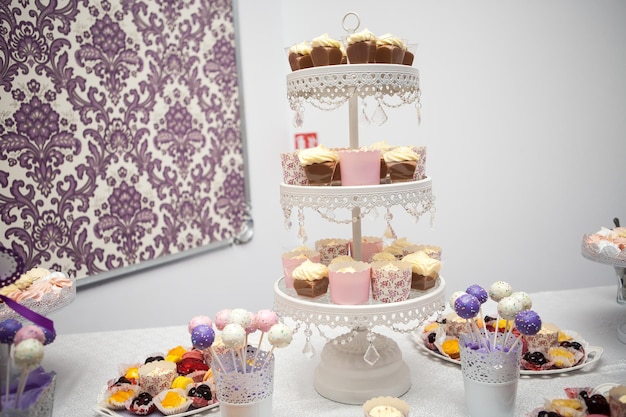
(359, 167)
(331, 248)
(156, 376)
(293, 173)
(291, 260)
(349, 282)
(420, 169)
(391, 281)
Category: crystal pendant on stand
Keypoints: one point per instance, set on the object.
(364, 117)
(389, 232)
(371, 354)
(418, 109)
(309, 350)
(379, 116)
(298, 118)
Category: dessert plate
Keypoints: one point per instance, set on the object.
(103, 411)
(592, 354)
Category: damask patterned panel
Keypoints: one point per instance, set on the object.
(120, 135)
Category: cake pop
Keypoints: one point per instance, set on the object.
(279, 336)
(233, 337)
(466, 306)
(202, 336)
(499, 290)
(478, 292)
(264, 320)
(198, 320)
(29, 332)
(50, 335)
(523, 298)
(251, 327)
(453, 298)
(221, 319)
(8, 329)
(239, 316)
(528, 323)
(508, 307)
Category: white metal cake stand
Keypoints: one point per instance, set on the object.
(359, 364)
(620, 269)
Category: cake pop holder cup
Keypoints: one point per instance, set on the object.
(349, 288)
(359, 167)
(391, 286)
(489, 378)
(37, 399)
(291, 261)
(246, 394)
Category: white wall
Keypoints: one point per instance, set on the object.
(523, 116)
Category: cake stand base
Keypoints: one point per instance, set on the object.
(345, 376)
(621, 332)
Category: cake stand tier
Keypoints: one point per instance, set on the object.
(359, 364)
(329, 87)
(415, 197)
(619, 264)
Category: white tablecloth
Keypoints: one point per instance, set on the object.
(84, 362)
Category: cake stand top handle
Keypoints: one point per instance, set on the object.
(350, 29)
(616, 222)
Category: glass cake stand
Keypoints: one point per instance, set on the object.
(619, 264)
(359, 364)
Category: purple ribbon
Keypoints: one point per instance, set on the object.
(29, 314)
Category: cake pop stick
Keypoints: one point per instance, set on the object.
(242, 318)
(202, 337)
(467, 307)
(8, 329)
(528, 323)
(279, 336)
(497, 292)
(264, 320)
(28, 354)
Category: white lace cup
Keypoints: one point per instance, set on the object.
(390, 285)
(235, 387)
(489, 379)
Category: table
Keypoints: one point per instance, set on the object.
(84, 362)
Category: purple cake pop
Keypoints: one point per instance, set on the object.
(50, 335)
(202, 336)
(8, 328)
(467, 306)
(528, 322)
(478, 292)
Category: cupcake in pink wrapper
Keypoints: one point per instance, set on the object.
(157, 376)
(349, 282)
(291, 260)
(370, 245)
(332, 248)
(359, 167)
(401, 163)
(391, 281)
(293, 172)
(342, 258)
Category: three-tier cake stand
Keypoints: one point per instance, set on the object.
(359, 364)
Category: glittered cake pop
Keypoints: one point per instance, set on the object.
(29, 332)
(202, 336)
(239, 316)
(508, 307)
(265, 319)
(221, 319)
(499, 290)
(280, 335)
(478, 292)
(27, 355)
(528, 322)
(198, 320)
(8, 328)
(523, 298)
(467, 306)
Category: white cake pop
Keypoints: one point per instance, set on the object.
(508, 307)
(499, 290)
(280, 335)
(233, 336)
(454, 296)
(239, 316)
(523, 298)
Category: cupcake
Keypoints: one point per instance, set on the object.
(293, 259)
(300, 56)
(547, 337)
(118, 395)
(172, 401)
(391, 281)
(310, 279)
(342, 258)
(383, 147)
(293, 172)
(386, 407)
(409, 54)
(359, 167)
(141, 405)
(319, 164)
(329, 249)
(370, 245)
(401, 247)
(425, 270)
(617, 400)
(325, 51)
(157, 376)
(349, 282)
(389, 49)
(361, 47)
(430, 250)
(401, 163)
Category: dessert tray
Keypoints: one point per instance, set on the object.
(204, 411)
(592, 354)
(48, 302)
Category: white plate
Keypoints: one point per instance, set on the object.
(592, 354)
(103, 411)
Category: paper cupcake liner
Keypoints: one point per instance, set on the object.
(157, 376)
(120, 405)
(394, 402)
(390, 286)
(168, 411)
(370, 245)
(331, 248)
(420, 169)
(349, 288)
(293, 173)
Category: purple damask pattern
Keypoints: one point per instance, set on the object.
(120, 136)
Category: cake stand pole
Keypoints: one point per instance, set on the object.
(353, 107)
(621, 299)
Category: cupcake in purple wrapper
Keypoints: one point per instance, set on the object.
(332, 248)
(391, 281)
